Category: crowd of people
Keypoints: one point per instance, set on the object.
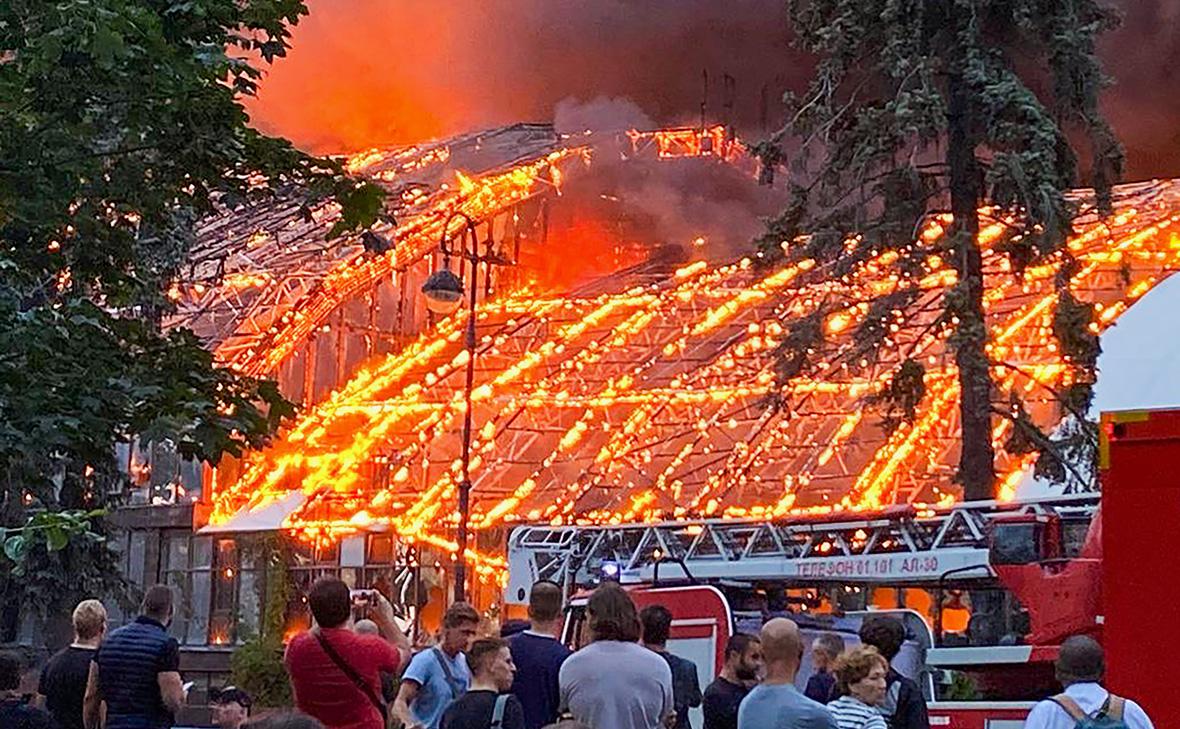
(363, 674)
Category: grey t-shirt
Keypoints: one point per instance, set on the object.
(611, 684)
(782, 707)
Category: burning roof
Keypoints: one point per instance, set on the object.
(651, 394)
(260, 279)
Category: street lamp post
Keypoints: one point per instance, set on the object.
(444, 294)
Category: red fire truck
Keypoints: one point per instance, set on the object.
(987, 590)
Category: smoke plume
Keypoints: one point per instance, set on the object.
(372, 72)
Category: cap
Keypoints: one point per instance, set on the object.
(228, 695)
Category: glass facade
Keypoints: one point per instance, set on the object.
(221, 581)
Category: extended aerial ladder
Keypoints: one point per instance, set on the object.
(904, 545)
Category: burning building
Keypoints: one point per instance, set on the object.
(624, 370)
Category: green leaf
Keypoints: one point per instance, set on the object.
(14, 547)
(56, 538)
(106, 46)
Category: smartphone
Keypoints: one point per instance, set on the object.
(187, 686)
(361, 597)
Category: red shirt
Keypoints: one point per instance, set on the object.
(324, 691)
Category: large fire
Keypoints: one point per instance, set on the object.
(647, 397)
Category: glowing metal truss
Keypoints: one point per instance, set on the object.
(263, 278)
(646, 399)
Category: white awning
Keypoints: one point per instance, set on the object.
(266, 518)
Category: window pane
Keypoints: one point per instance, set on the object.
(380, 549)
(182, 615)
(177, 552)
(190, 478)
(303, 555)
(249, 606)
(202, 552)
(118, 542)
(198, 624)
(220, 629)
(135, 558)
(224, 586)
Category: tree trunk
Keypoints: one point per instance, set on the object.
(976, 460)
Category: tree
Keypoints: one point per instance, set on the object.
(921, 108)
(121, 125)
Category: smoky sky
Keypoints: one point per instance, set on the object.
(367, 73)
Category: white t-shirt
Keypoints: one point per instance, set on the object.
(612, 684)
(1090, 697)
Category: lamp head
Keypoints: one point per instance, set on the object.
(443, 291)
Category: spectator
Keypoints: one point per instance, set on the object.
(486, 702)
(230, 707)
(388, 679)
(1080, 666)
(15, 710)
(686, 687)
(861, 677)
(613, 683)
(743, 663)
(538, 655)
(776, 703)
(336, 673)
(136, 671)
(439, 675)
(903, 707)
(64, 678)
(825, 650)
(514, 627)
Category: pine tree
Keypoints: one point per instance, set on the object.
(925, 108)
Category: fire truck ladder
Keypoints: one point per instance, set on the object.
(903, 545)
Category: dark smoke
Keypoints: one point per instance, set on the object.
(1143, 57)
(372, 72)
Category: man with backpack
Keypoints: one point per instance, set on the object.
(486, 705)
(439, 675)
(1084, 704)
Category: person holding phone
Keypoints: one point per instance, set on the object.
(336, 672)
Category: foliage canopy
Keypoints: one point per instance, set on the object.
(121, 125)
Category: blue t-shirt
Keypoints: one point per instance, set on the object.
(781, 706)
(434, 692)
(538, 660)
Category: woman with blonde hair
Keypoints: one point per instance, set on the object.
(860, 677)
